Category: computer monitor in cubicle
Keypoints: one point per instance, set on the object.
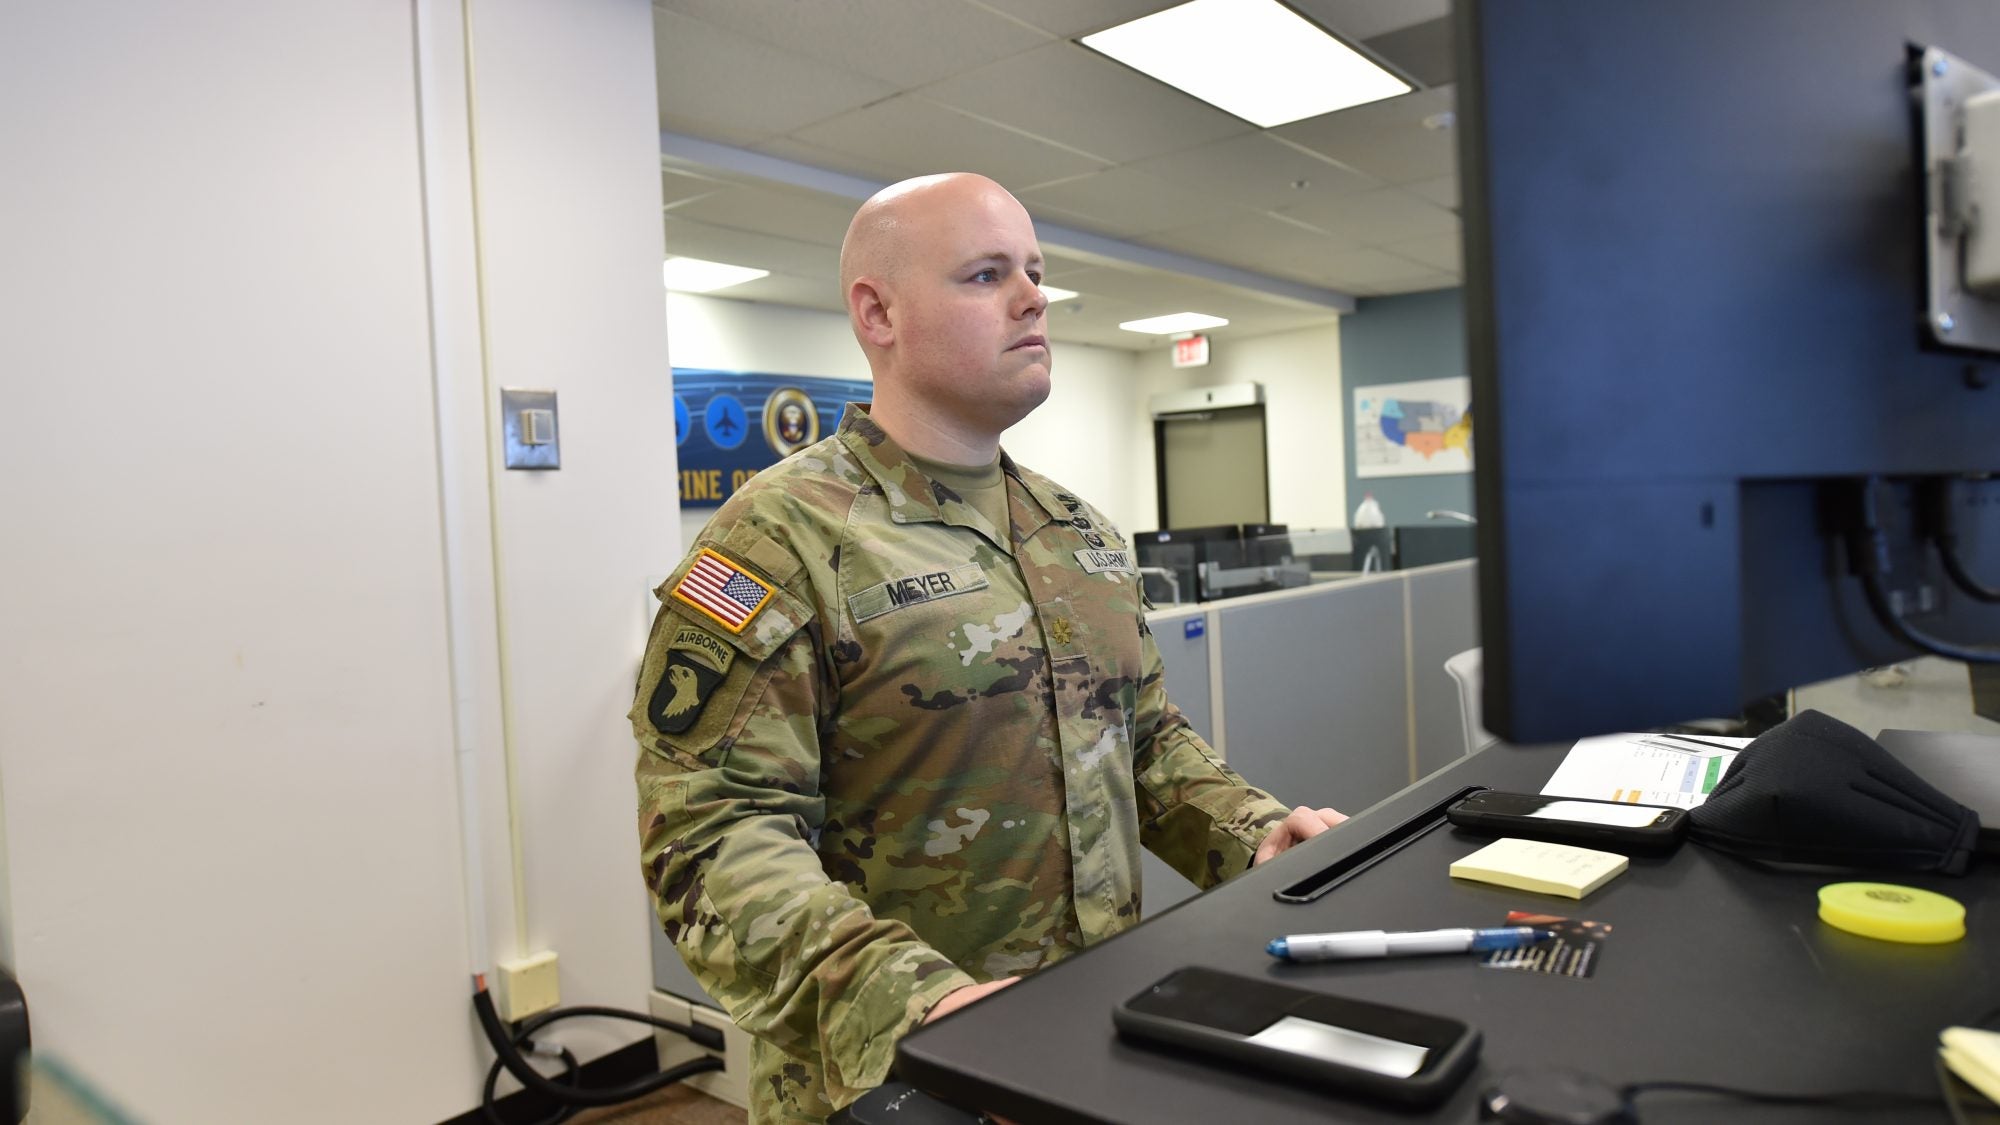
(1423, 544)
(1182, 550)
(1735, 374)
(1266, 544)
(1374, 549)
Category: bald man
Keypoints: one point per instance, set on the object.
(901, 720)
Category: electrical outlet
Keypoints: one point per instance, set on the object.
(732, 1082)
(528, 986)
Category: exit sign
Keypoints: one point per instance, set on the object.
(1191, 351)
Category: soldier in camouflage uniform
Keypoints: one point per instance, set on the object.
(902, 723)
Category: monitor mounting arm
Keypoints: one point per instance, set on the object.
(1959, 113)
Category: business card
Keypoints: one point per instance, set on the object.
(1572, 952)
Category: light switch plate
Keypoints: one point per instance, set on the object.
(515, 403)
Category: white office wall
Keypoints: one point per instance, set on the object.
(225, 706)
(1078, 437)
(753, 336)
(1304, 418)
(570, 210)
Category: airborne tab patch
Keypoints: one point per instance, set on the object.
(696, 662)
(723, 590)
(1097, 562)
(915, 589)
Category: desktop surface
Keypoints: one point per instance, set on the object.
(1715, 971)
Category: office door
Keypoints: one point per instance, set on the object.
(1212, 467)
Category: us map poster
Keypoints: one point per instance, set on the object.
(1413, 429)
(730, 424)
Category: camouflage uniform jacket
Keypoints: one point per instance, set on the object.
(888, 750)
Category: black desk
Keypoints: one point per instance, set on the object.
(1716, 971)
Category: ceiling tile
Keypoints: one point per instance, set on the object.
(1066, 273)
(923, 137)
(1256, 171)
(677, 186)
(1105, 311)
(1253, 241)
(1419, 284)
(1133, 286)
(688, 238)
(1050, 121)
(1122, 202)
(1385, 139)
(805, 216)
(1069, 19)
(1081, 99)
(1372, 218)
(1422, 51)
(721, 86)
(1442, 191)
(816, 156)
(1095, 320)
(905, 42)
(1366, 270)
(1058, 264)
(1439, 251)
(1357, 20)
(783, 289)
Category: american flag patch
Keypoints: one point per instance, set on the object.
(722, 590)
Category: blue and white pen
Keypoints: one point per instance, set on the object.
(1391, 943)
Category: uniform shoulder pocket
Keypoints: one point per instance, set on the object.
(721, 627)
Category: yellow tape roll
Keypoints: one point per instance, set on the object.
(1892, 913)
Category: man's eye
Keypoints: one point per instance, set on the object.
(1034, 277)
(987, 275)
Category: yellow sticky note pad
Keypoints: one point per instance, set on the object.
(1973, 1055)
(1535, 865)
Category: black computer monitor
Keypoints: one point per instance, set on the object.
(1697, 319)
(1423, 544)
(1182, 550)
(1189, 534)
(1267, 544)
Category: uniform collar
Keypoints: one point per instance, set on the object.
(1049, 506)
(911, 495)
(904, 486)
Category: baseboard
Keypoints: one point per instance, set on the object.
(626, 1064)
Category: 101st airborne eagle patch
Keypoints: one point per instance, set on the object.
(696, 662)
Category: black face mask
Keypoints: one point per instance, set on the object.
(1813, 790)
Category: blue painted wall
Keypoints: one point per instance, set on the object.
(1399, 340)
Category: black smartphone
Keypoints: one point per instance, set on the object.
(1350, 1046)
(1570, 820)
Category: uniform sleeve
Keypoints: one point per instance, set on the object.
(728, 805)
(1198, 815)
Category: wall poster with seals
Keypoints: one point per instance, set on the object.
(728, 425)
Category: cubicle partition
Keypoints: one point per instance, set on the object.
(1330, 694)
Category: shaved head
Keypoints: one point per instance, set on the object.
(941, 276)
(888, 228)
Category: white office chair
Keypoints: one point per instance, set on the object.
(1464, 669)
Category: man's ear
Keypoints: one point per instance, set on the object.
(868, 307)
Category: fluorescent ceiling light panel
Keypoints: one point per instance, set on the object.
(693, 275)
(1256, 59)
(1055, 294)
(1175, 322)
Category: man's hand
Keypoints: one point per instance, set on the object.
(955, 1000)
(1302, 824)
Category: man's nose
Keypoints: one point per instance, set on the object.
(1037, 301)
